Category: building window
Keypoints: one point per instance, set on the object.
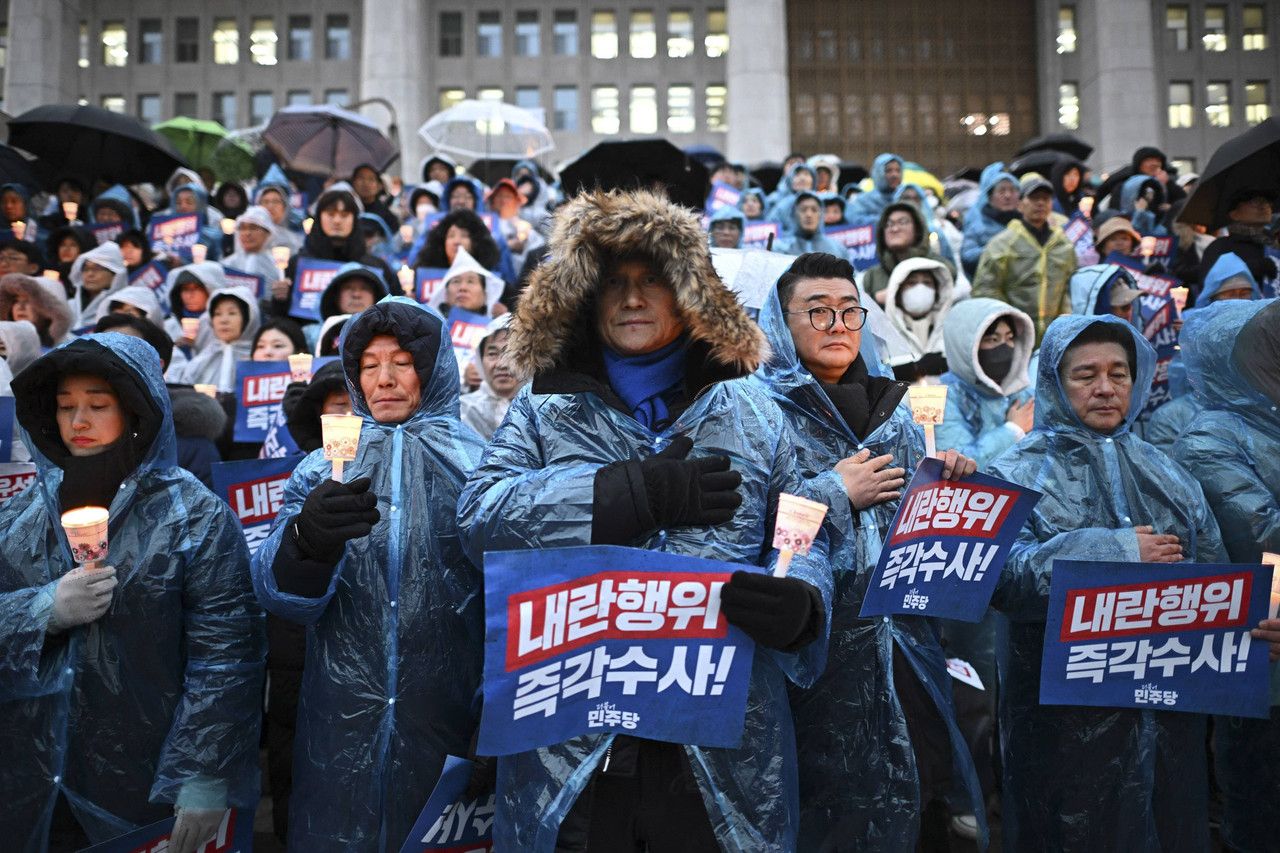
(528, 37)
(489, 34)
(528, 98)
(337, 97)
(186, 40)
(300, 37)
(1183, 165)
(298, 98)
(644, 109)
(151, 40)
(451, 34)
(262, 41)
(565, 31)
(184, 104)
(224, 109)
(83, 60)
(115, 46)
(1215, 28)
(1257, 102)
(226, 41)
(679, 33)
(680, 118)
(491, 95)
(113, 103)
(644, 36)
(1069, 106)
(1181, 113)
(717, 94)
(1176, 27)
(451, 98)
(261, 106)
(1217, 104)
(149, 109)
(717, 39)
(1066, 29)
(1255, 28)
(604, 35)
(604, 109)
(337, 38)
(565, 115)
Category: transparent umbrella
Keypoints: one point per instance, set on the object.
(487, 129)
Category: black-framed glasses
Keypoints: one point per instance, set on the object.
(823, 318)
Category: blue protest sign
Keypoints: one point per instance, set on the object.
(240, 278)
(260, 386)
(310, 278)
(174, 234)
(448, 822)
(758, 234)
(279, 441)
(14, 477)
(151, 275)
(605, 639)
(1079, 231)
(1157, 324)
(426, 280)
(235, 835)
(859, 242)
(6, 428)
(1172, 636)
(466, 329)
(1163, 251)
(722, 195)
(946, 545)
(254, 489)
(107, 231)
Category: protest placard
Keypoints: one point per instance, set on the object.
(758, 234)
(1158, 316)
(605, 639)
(426, 280)
(260, 386)
(1079, 231)
(14, 477)
(448, 822)
(6, 428)
(722, 195)
(467, 329)
(859, 242)
(235, 835)
(947, 543)
(151, 275)
(107, 231)
(240, 278)
(254, 489)
(1168, 636)
(175, 233)
(311, 277)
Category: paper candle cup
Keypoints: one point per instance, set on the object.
(1148, 246)
(300, 367)
(86, 530)
(19, 229)
(1086, 206)
(280, 254)
(406, 279)
(190, 325)
(228, 226)
(70, 210)
(306, 225)
(797, 524)
(207, 390)
(1179, 295)
(406, 233)
(1273, 560)
(341, 437)
(198, 253)
(928, 402)
(52, 275)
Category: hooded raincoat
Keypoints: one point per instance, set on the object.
(215, 362)
(1146, 786)
(1033, 278)
(138, 296)
(157, 701)
(289, 232)
(463, 262)
(483, 409)
(923, 334)
(116, 198)
(46, 299)
(1091, 290)
(1233, 449)
(796, 243)
(83, 306)
(859, 785)
(210, 230)
(260, 263)
(935, 239)
(535, 489)
(727, 214)
(867, 206)
(394, 645)
(1228, 268)
(1144, 221)
(980, 224)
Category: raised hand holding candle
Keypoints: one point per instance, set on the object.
(1148, 247)
(1179, 295)
(795, 528)
(190, 325)
(306, 225)
(19, 229)
(300, 367)
(928, 403)
(1086, 206)
(86, 530)
(341, 437)
(280, 254)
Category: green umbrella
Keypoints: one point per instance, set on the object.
(232, 160)
(194, 138)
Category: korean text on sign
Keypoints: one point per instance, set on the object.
(450, 823)
(260, 387)
(1173, 635)
(609, 639)
(311, 278)
(947, 544)
(254, 489)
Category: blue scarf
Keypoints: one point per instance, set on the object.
(647, 383)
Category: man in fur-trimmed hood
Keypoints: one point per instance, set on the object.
(638, 429)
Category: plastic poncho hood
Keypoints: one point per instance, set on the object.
(138, 296)
(21, 344)
(463, 262)
(1227, 272)
(962, 335)
(727, 214)
(1208, 342)
(1053, 410)
(1091, 290)
(368, 275)
(118, 199)
(924, 334)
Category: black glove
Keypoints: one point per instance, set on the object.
(780, 613)
(483, 779)
(665, 490)
(292, 394)
(333, 513)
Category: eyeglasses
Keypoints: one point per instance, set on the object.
(899, 223)
(823, 318)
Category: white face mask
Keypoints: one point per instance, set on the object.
(918, 299)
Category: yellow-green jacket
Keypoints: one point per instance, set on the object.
(1036, 279)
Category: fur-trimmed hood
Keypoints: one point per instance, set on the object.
(552, 309)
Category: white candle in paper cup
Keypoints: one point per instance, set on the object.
(19, 229)
(199, 252)
(52, 275)
(341, 437)
(280, 254)
(1148, 246)
(406, 279)
(206, 389)
(928, 403)
(1273, 560)
(797, 525)
(70, 210)
(300, 367)
(228, 226)
(190, 325)
(86, 530)
(1179, 295)
(1086, 206)
(306, 225)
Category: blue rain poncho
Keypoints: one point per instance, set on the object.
(782, 199)
(727, 214)
(535, 489)
(794, 243)
(979, 227)
(159, 700)
(1227, 272)
(1081, 778)
(394, 654)
(866, 207)
(1233, 449)
(859, 788)
(1167, 422)
(1144, 221)
(210, 232)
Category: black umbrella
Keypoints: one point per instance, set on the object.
(490, 170)
(766, 175)
(95, 144)
(1062, 142)
(19, 168)
(707, 155)
(633, 163)
(853, 173)
(1250, 161)
(1041, 162)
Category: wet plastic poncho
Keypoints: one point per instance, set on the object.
(759, 194)
(1228, 268)
(1035, 279)
(107, 256)
(287, 233)
(1146, 787)
(1233, 449)
(924, 334)
(116, 198)
(794, 243)
(210, 232)
(782, 199)
(1091, 290)
(727, 214)
(157, 700)
(867, 206)
(394, 645)
(979, 228)
(859, 788)
(977, 406)
(1144, 221)
(483, 409)
(215, 362)
(138, 296)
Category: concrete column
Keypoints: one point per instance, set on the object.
(759, 97)
(1122, 101)
(392, 66)
(43, 49)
